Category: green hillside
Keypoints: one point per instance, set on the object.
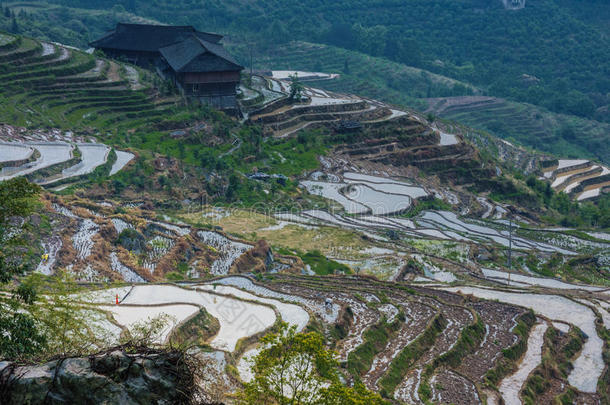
(472, 40)
(382, 79)
(551, 55)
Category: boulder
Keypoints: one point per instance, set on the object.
(110, 378)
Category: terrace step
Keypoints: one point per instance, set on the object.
(26, 48)
(35, 62)
(586, 173)
(48, 51)
(286, 112)
(357, 115)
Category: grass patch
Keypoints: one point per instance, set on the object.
(197, 330)
(321, 265)
(427, 204)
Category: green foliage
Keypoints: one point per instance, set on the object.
(445, 37)
(41, 326)
(571, 213)
(554, 207)
(510, 356)
(196, 330)
(321, 265)
(339, 394)
(296, 368)
(410, 354)
(70, 327)
(424, 204)
(375, 339)
(19, 334)
(380, 39)
(18, 200)
(296, 88)
(146, 333)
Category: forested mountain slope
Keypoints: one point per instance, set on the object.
(562, 54)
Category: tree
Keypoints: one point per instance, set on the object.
(346, 69)
(278, 33)
(14, 26)
(296, 368)
(70, 328)
(296, 87)
(18, 199)
(33, 325)
(19, 333)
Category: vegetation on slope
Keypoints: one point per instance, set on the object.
(298, 369)
(476, 41)
(449, 47)
(375, 339)
(559, 351)
(510, 356)
(401, 364)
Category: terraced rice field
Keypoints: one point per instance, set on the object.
(13, 152)
(79, 240)
(520, 279)
(428, 326)
(230, 250)
(51, 153)
(360, 194)
(129, 316)
(321, 108)
(580, 178)
(376, 78)
(530, 125)
(589, 364)
(72, 90)
(58, 159)
(122, 159)
(371, 203)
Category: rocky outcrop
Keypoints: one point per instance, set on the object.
(110, 378)
(257, 259)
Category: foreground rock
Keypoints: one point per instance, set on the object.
(112, 378)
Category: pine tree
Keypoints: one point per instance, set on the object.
(14, 26)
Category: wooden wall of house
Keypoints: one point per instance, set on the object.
(209, 89)
(211, 77)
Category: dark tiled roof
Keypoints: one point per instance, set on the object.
(197, 55)
(149, 38)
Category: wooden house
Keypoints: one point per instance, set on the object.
(196, 62)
